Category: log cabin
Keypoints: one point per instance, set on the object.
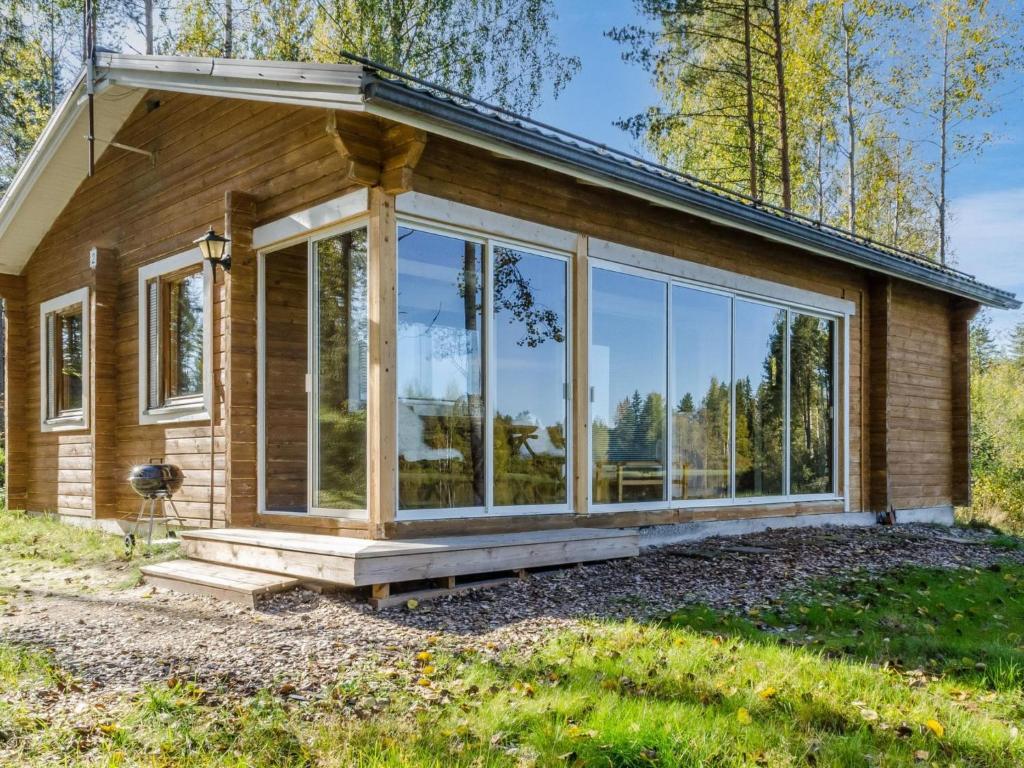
(445, 330)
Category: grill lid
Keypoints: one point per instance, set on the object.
(156, 480)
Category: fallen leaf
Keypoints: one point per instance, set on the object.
(922, 755)
(936, 727)
(869, 714)
(743, 716)
(412, 603)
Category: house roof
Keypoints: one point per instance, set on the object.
(57, 164)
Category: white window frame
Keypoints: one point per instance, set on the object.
(519, 235)
(335, 217)
(776, 296)
(58, 304)
(175, 413)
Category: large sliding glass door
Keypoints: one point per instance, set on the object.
(339, 375)
(314, 341)
(750, 387)
(482, 376)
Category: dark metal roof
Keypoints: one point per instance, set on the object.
(577, 153)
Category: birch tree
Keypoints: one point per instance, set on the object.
(970, 52)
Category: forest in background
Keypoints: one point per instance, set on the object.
(855, 113)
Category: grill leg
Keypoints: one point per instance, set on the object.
(152, 515)
(170, 501)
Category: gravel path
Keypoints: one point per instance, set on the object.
(116, 640)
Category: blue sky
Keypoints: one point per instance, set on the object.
(987, 231)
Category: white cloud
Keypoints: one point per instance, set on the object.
(987, 237)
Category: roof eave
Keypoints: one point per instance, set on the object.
(381, 94)
(48, 142)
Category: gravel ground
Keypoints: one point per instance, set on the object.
(115, 640)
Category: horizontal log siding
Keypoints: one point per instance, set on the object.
(920, 398)
(204, 148)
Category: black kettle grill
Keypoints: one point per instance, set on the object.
(155, 483)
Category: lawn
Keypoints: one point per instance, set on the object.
(914, 667)
(38, 545)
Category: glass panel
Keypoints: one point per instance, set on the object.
(185, 336)
(286, 313)
(341, 349)
(530, 405)
(701, 368)
(441, 444)
(69, 360)
(760, 397)
(811, 344)
(628, 372)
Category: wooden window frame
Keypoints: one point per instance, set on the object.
(77, 418)
(192, 407)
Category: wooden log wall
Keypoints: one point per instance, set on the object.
(279, 155)
(16, 456)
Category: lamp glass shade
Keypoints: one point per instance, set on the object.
(212, 246)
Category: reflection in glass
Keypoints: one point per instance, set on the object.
(701, 368)
(340, 370)
(760, 398)
(185, 336)
(530, 406)
(286, 334)
(811, 389)
(69, 361)
(441, 442)
(628, 375)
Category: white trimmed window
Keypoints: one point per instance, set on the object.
(175, 340)
(64, 355)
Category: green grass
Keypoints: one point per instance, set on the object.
(35, 541)
(914, 667)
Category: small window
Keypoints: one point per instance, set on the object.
(174, 340)
(64, 352)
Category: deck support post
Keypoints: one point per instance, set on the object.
(382, 440)
(12, 291)
(239, 375)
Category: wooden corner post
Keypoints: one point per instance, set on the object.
(879, 319)
(12, 291)
(239, 375)
(103, 382)
(961, 314)
(382, 427)
(580, 390)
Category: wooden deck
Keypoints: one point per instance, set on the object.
(359, 562)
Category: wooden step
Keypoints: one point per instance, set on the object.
(238, 585)
(361, 562)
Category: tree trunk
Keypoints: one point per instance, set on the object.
(149, 27)
(851, 128)
(229, 29)
(780, 77)
(943, 145)
(751, 127)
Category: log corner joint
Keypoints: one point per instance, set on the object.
(390, 164)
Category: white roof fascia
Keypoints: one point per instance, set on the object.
(309, 85)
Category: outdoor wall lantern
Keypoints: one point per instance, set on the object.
(214, 249)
